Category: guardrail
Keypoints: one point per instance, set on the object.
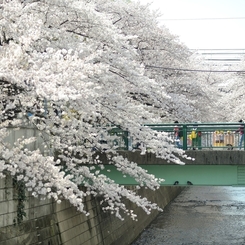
(196, 136)
(220, 136)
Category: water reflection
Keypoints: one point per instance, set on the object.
(200, 216)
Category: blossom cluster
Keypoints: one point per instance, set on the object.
(72, 73)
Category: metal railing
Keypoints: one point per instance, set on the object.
(219, 136)
(206, 135)
(197, 136)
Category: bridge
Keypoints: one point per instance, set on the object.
(209, 136)
(210, 168)
(219, 161)
(214, 146)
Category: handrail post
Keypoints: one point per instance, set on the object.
(127, 141)
(243, 137)
(184, 136)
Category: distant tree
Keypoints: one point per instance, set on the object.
(222, 86)
(165, 58)
(230, 97)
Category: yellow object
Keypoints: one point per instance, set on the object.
(193, 134)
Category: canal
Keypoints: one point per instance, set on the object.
(200, 216)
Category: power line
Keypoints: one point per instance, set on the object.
(229, 51)
(220, 49)
(225, 18)
(192, 70)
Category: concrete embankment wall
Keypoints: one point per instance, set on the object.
(48, 223)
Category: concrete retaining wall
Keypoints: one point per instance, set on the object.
(48, 223)
(38, 227)
(202, 157)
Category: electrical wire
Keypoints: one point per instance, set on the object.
(225, 18)
(193, 70)
(220, 49)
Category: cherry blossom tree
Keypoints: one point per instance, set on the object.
(170, 63)
(71, 71)
(222, 84)
(230, 97)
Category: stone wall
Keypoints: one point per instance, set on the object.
(48, 223)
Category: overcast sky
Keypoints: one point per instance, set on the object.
(224, 29)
